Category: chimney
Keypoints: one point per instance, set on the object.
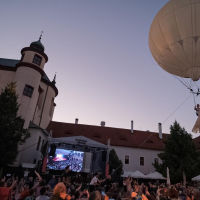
(131, 126)
(103, 123)
(160, 130)
(76, 121)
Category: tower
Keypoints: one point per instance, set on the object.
(28, 76)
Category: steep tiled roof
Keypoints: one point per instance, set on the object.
(118, 137)
(12, 63)
(8, 62)
(32, 125)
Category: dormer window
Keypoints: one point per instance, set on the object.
(37, 60)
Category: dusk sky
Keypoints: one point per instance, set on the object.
(99, 49)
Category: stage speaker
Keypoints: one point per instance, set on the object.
(104, 155)
(52, 150)
(44, 148)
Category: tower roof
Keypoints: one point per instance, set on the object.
(38, 44)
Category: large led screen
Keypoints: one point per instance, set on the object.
(64, 158)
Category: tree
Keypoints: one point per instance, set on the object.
(11, 126)
(115, 163)
(180, 155)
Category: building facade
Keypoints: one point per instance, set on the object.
(137, 150)
(36, 95)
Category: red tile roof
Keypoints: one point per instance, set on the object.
(118, 137)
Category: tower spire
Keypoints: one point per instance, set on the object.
(54, 79)
(40, 35)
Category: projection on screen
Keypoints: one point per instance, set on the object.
(64, 158)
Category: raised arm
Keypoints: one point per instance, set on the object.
(13, 184)
(39, 177)
(79, 187)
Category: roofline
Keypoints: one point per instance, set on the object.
(10, 68)
(36, 51)
(108, 127)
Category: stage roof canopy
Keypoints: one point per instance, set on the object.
(79, 140)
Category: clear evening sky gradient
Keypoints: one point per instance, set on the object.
(99, 49)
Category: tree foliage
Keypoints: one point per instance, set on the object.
(115, 163)
(11, 126)
(180, 155)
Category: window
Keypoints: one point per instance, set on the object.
(28, 91)
(155, 160)
(38, 144)
(126, 160)
(37, 60)
(141, 161)
(40, 98)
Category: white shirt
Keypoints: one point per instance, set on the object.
(42, 197)
(94, 180)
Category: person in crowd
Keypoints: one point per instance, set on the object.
(59, 192)
(66, 173)
(95, 182)
(31, 195)
(95, 196)
(128, 182)
(26, 173)
(30, 182)
(6, 189)
(173, 194)
(19, 189)
(43, 196)
(108, 183)
(53, 181)
(25, 192)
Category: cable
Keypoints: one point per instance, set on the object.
(166, 119)
(29, 147)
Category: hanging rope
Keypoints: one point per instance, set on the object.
(166, 119)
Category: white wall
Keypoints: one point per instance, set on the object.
(134, 158)
(28, 155)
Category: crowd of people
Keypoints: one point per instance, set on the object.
(66, 187)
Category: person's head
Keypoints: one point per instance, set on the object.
(109, 177)
(42, 182)
(197, 105)
(2, 184)
(114, 185)
(173, 193)
(31, 192)
(31, 178)
(43, 191)
(27, 170)
(53, 177)
(67, 169)
(60, 188)
(96, 174)
(26, 186)
(76, 195)
(59, 179)
(20, 187)
(95, 196)
(9, 183)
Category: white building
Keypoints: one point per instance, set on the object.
(36, 96)
(136, 149)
